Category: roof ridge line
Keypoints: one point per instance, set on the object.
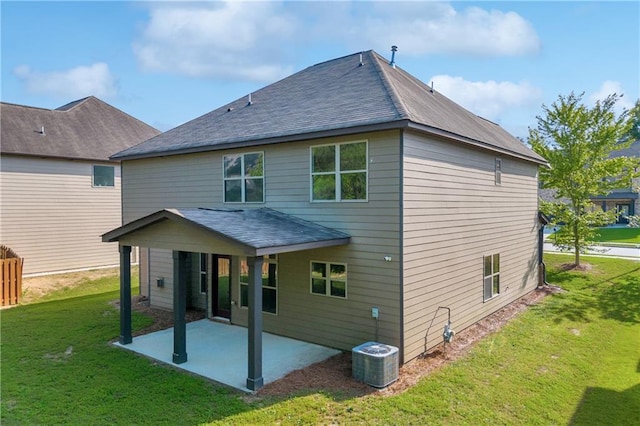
(398, 104)
(26, 106)
(74, 104)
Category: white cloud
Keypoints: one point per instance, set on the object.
(78, 82)
(232, 40)
(253, 40)
(488, 99)
(610, 87)
(420, 28)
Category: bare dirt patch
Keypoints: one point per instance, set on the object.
(34, 288)
(583, 267)
(334, 374)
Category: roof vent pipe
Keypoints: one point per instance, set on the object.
(250, 102)
(361, 63)
(42, 130)
(394, 49)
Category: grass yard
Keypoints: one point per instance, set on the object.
(574, 358)
(619, 235)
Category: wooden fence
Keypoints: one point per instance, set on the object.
(11, 276)
(11, 280)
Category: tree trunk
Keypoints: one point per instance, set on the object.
(576, 244)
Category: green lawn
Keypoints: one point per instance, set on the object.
(619, 235)
(571, 359)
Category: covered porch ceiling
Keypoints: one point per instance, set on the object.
(248, 232)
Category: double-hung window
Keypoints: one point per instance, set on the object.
(269, 284)
(329, 279)
(103, 176)
(339, 172)
(244, 178)
(491, 276)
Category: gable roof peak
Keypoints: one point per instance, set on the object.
(73, 104)
(85, 129)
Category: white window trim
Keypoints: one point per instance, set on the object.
(498, 171)
(266, 261)
(337, 173)
(328, 279)
(93, 176)
(493, 274)
(242, 179)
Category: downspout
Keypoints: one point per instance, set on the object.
(149, 274)
(542, 278)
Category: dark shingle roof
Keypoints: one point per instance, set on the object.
(86, 129)
(550, 195)
(261, 231)
(631, 151)
(338, 96)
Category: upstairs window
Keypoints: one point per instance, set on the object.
(498, 170)
(339, 172)
(491, 276)
(244, 178)
(103, 176)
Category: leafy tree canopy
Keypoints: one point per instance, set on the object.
(634, 131)
(578, 142)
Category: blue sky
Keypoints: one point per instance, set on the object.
(169, 62)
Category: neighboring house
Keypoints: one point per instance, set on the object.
(60, 191)
(626, 201)
(348, 202)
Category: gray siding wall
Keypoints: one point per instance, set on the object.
(195, 180)
(161, 267)
(453, 215)
(52, 216)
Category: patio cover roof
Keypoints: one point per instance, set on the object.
(253, 232)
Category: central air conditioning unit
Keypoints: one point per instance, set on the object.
(375, 364)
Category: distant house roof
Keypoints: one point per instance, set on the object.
(632, 151)
(87, 129)
(341, 96)
(550, 195)
(256, 231)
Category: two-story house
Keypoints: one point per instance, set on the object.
(342, 204)
(59, 189)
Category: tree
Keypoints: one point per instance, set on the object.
(577, 141)
(634, 116)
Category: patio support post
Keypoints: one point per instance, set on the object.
(179, 307)
(255, 380)
(125, 295)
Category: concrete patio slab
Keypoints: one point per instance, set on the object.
(219, 352)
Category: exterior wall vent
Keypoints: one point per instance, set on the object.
(375, 364)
